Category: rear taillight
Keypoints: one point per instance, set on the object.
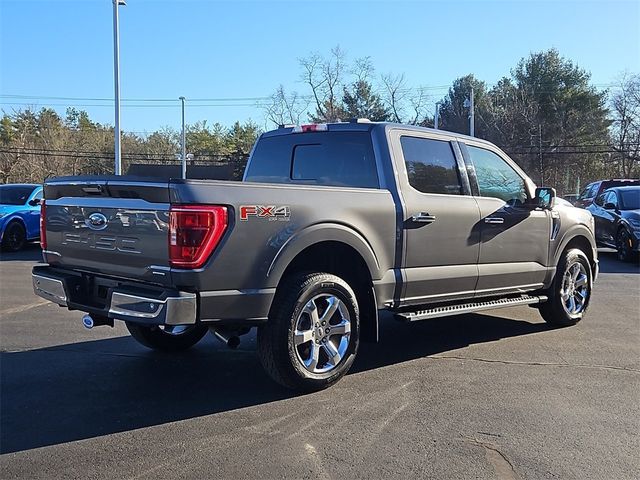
(194, 233)
(43, 225)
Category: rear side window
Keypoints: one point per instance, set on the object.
(431, 165)
(315, 158)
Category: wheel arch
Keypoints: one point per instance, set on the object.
(581, 238)
(336, 252)
(14, 219)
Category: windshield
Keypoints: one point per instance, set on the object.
(14, 194)
(630, 199)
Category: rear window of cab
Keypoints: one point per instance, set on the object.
(343, 159)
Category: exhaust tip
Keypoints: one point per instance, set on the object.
(233, 342)
(88, 322)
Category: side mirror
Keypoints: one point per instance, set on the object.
(34, 201)
(609, 206)
(544, 197)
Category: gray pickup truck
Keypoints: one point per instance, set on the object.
(330, 225)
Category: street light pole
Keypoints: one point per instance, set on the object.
(184, 143)
(436, 117)
(472, 118)
(116, 81)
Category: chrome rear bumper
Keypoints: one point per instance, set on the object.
(147, 305)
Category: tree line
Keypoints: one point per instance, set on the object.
(546, 113)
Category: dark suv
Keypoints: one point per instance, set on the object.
(617, 219)
(593, 189)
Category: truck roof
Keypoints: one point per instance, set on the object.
(365, 126)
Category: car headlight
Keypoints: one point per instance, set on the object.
(635, 223)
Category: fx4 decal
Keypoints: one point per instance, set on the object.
(270, 212)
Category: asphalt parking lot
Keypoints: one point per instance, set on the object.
(494, 395)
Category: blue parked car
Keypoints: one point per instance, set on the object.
(19, 215)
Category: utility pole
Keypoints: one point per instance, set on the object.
(468, 103)
(184, 144)
(436, 117)
(540, 154)
(116, 81)
(472, 118)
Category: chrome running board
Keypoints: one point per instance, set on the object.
(448, 310)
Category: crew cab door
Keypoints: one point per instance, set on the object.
(514, 238)
(441, 242)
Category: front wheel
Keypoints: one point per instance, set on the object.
(624, 245)
(311, 338)
(167, 338)
(14, 238)
(570, 291)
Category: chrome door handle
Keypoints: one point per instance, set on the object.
(423, 217)
(494, 220)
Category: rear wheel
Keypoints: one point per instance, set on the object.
(311, 338)
(15, 236)
(167, 338)
(624, 245)
(570, 292)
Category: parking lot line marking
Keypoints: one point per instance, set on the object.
(22, 308)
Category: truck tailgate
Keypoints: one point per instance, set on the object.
(109, 225)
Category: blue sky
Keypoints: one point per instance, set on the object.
(216, 49)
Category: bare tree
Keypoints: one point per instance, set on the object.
(419, 102)
(324, 76)
(395, 94)
(285, 109)
(625, 128)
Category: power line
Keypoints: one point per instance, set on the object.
(177, 105)
(248, 99)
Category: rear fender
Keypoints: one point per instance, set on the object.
(319, 233)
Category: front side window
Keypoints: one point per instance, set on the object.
(600, 200)
(431, 165)
(496, 178)
(630, 199)
(14, 194)
(610, 197)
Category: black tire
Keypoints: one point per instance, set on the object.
(160, 338)
(279, 354)
(14, 238)
(556, 311)
(625, 250)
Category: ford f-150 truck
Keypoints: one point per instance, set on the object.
(331, 224)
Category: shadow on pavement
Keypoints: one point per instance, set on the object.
(609, 263)
(30, 253)
(84, 390)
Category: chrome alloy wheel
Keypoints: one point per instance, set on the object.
(575, 288)
(322, 332)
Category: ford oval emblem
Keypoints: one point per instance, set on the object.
(96, 221)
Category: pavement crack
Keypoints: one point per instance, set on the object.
(542, 364)
(498, 460)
